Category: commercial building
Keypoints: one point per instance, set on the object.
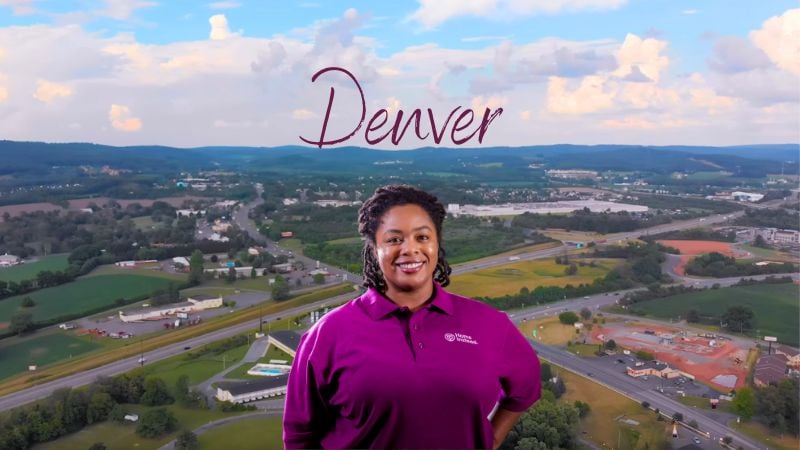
(9, 260)
(560, 207)
(286, 340)
(657, 369)
(248, 391)
(193, 304)
(770, 369)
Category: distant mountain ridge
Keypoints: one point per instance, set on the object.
(755, 160)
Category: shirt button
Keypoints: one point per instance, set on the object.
(416, 327)
(421, 345)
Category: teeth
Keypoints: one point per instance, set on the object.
(410, 265)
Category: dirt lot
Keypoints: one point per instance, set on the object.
(690, 249)
(683, 351)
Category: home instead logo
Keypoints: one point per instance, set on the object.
(458, 337)
(375, 132)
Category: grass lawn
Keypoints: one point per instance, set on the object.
(772, 255)
(548, 330)
(510, 278)
(28, 271)
(40, 349)
(198, 369)
(775, 306)
(600, 426)
(762, 433)
(153, 272)
(582, 349)
(293, 244)
(123, 436)
(82, 295)
(702, 403)
(257, 433)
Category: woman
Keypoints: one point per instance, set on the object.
(408, 364)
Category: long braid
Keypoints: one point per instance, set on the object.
(369, 217)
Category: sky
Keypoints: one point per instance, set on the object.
(237, 72)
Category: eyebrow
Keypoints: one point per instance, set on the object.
(423, 227)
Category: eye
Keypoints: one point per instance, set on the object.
(424, 237)
(394, 240)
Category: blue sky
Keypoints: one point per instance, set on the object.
(581, 71)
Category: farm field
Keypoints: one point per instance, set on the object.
(775, 306)
(257, 433)
(41, 350)
(85, 294)
(510, 278)
(28, 271)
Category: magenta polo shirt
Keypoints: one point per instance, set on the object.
(373, 375)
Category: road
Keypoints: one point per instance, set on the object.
(637, 391)
(124, 365)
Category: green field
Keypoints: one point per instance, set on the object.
(776, 307)
(240, 373)
(28, 271)
(85, 294)
(257, 433)
(16, 354)
(510, 278)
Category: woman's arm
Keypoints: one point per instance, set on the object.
(502, 422)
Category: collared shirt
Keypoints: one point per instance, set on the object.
(373, 375)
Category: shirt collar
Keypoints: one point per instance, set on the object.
(378, 306)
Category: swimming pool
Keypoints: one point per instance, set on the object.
(269, 370)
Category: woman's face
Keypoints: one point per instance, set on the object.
(407, 248)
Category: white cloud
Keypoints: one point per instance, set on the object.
(47, 91)
(3, 93)
(392, 105)
(588, 97)
(123, 9)
(479, 104)
(525, 115)
(121, 119)
(645, 54)
(779, 38)
(219, 28)
(224, 5)
(689, 12)
(708, 99)
(220, 123)
(303, 114)
(432, 13)
(629, 122)
(19, 7)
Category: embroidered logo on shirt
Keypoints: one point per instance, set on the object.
(458, 337)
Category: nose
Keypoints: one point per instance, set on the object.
(409, 247)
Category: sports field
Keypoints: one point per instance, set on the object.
(85, 294)
(775, 306)
(689, 249)
(29, 270)
(510, 278)
(16, 354)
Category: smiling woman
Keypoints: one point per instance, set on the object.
(408, 364)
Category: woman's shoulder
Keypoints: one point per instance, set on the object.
(468, 305)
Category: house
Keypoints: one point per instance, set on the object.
(248, 391)
(132, 417)
(286, 234)
(9, 260)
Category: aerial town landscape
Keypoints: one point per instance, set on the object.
(160, 260)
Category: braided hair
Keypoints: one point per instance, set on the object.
(369, 218)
